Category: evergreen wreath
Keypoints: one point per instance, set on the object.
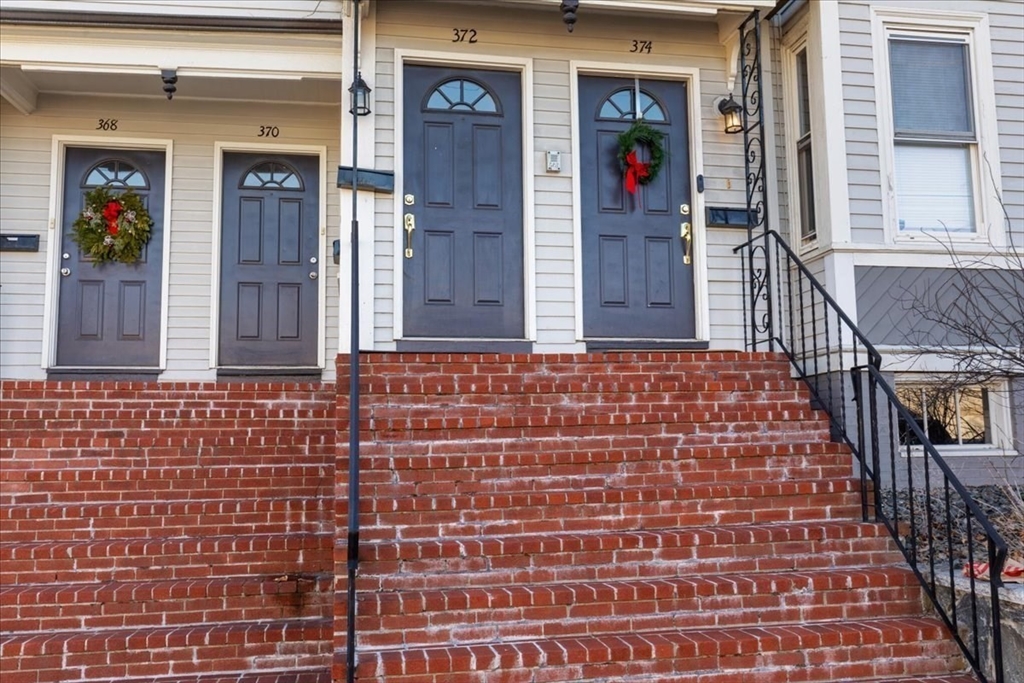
(112, 227)
(639, 172)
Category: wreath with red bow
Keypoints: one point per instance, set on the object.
(638, 172)
(112, 227)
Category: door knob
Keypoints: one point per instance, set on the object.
(65, 271)
(410, 225)
(313, 276)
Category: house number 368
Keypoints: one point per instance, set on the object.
(106, 124)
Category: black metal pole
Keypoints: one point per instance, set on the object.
(353, 375)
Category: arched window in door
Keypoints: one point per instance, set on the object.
(462, 94)
(621, 105)
(116, 174)
(271, 175)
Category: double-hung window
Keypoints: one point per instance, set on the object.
(939, 146)
(799, 150)
(935, 136)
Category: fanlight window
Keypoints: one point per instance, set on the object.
(271, 175)
(117, 174)
(460, 94)
(620, 105)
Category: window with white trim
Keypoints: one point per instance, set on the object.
(799, 147)
(938, 135)
(935, 138)
(956, 417)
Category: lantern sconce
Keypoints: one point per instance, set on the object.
(730, 110)
(569, 9)
(359, 97)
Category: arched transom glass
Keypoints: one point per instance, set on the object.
(620, 105)
(271, 175)
(460, 94)
(117, 174)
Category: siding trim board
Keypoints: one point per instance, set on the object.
(48, 355)
(524, 66)
(219, 148)
(691, 76)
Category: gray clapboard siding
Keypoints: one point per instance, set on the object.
(1006, 20)
(541, 36)
(194, 126)
(281, 9)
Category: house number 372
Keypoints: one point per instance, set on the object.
(463, 35)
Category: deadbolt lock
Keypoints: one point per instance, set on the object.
(684, 209)
(410, 200)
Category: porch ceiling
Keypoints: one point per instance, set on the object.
(708, 8)
(32, 81)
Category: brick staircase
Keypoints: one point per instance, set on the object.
(166, 533)
(626, 517)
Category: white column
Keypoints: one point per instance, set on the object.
(366, 199)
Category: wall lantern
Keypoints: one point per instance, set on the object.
(731, 110)
(359, 97)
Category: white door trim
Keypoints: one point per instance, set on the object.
(525, 67)
(691, 76)
(50, 293)
(320, 151)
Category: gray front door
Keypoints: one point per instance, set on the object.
(270, 246)
(108, 316)
(636, 284)
(463, 259)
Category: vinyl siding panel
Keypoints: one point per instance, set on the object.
(1006, 21)
(247, 9)
(540, 36)
(194, 126)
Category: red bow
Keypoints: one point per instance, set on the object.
(635, 171)
(110, 212)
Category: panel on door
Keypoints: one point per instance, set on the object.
(270, 246)
(637, 283)
(109, 315)
(463, 230)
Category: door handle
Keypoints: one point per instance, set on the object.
(410, 225)
(686, 233)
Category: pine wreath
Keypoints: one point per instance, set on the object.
(640, 172)
(112, 227)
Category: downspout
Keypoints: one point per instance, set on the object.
(353, 382)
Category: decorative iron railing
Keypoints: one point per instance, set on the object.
(905, 483)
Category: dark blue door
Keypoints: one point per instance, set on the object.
(637, 262)
(108, 316)
(463, 223)
(270, 244)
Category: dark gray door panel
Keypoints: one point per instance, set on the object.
(463, 167)
(108, 316)
(635, 282)
(269, 304)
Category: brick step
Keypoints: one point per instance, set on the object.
(179, 651)
(462, 616)
(846, 651)
(320, 674)
(54, 607)
(114, 479)
(582, 510)
(692, 433)
(190, 517)
(154, 559)
(307, 675)
(606, 556)
(438, 374)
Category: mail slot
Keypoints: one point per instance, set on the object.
(19, 242)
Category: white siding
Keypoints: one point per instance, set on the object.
(194, 126)
(540, 35)
(1006, 19)
(243, 9)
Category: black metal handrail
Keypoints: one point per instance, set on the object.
(905, 483)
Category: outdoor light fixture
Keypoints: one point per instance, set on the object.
(359, 97)
(731, 110)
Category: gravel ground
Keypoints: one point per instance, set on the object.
(994, 501)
